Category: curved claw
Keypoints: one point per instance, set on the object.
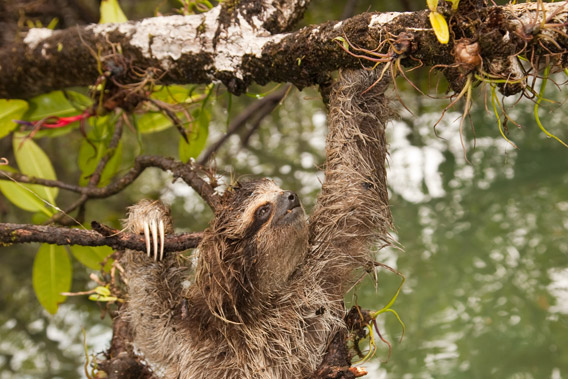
(162, 238)
(147, 237)
(152, 219)
(154, 230)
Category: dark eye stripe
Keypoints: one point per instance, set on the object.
(261, 216)
(263, 212)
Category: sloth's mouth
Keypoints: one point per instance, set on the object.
(288, 216)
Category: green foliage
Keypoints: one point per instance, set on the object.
(438, 22)
(540, 98)
(111, 12)
(33, 162)
(10, 110)
(103, 294)
(152, 122)
(197, 137)
(92, 257)
(95, 147)
(440, 27)
(56, 104)
(175, 94)
(21, 195)
(179, 97)
(51, 276)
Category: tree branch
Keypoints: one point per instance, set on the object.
(189, 173)
(237, 50)
(93, 180)
(102, 236)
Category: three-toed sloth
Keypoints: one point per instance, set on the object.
(265, 296)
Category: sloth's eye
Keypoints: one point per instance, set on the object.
(262, 213)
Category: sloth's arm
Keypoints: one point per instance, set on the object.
(352, 212)
(155, 283)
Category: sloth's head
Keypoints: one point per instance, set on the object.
(257, 240)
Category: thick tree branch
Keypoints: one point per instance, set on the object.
(24, 233)
(237, 49)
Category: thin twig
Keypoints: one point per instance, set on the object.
(267, 103)
(94, 179)
(190, 173)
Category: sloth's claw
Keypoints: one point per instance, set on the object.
(162, 238)
(152, 219)
(147, 237)
(154, 230)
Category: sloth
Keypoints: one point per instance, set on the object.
(264, 296)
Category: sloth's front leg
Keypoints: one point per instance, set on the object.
(151, 218)
(155, 284)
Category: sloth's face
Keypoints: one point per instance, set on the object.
(276, 220)
(272, 207)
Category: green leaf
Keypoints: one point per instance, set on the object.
(455, 4)
(173, 94)
(95, 147)
(22, 195)
(33, 161)
(152, 122)
(39, 218)
(102, 298)
(11, 110)
(102, 294)
(112, 166)
(197, 137)
(432, 5)
(111, 12)
(51, 276)
(92, 256)
(440, 27)
(103, 291)
(343, 43)
(55, 104)
(78, 99)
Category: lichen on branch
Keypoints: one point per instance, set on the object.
(230, 46)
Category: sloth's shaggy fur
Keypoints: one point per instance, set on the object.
(265, 297)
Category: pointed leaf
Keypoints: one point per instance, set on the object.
(197, 137)
(33, 161)
(55, 104)
(10, 110)
(175, 94)
(51, 276)
(432, 5)
(455, 4)
(103, 291)
(111, 12)
(440, 27)
(91, 256)
(112, 166)
(22, 195)
(152, 122)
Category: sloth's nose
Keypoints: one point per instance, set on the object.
(291, 199)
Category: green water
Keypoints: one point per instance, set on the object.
(486, 263)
